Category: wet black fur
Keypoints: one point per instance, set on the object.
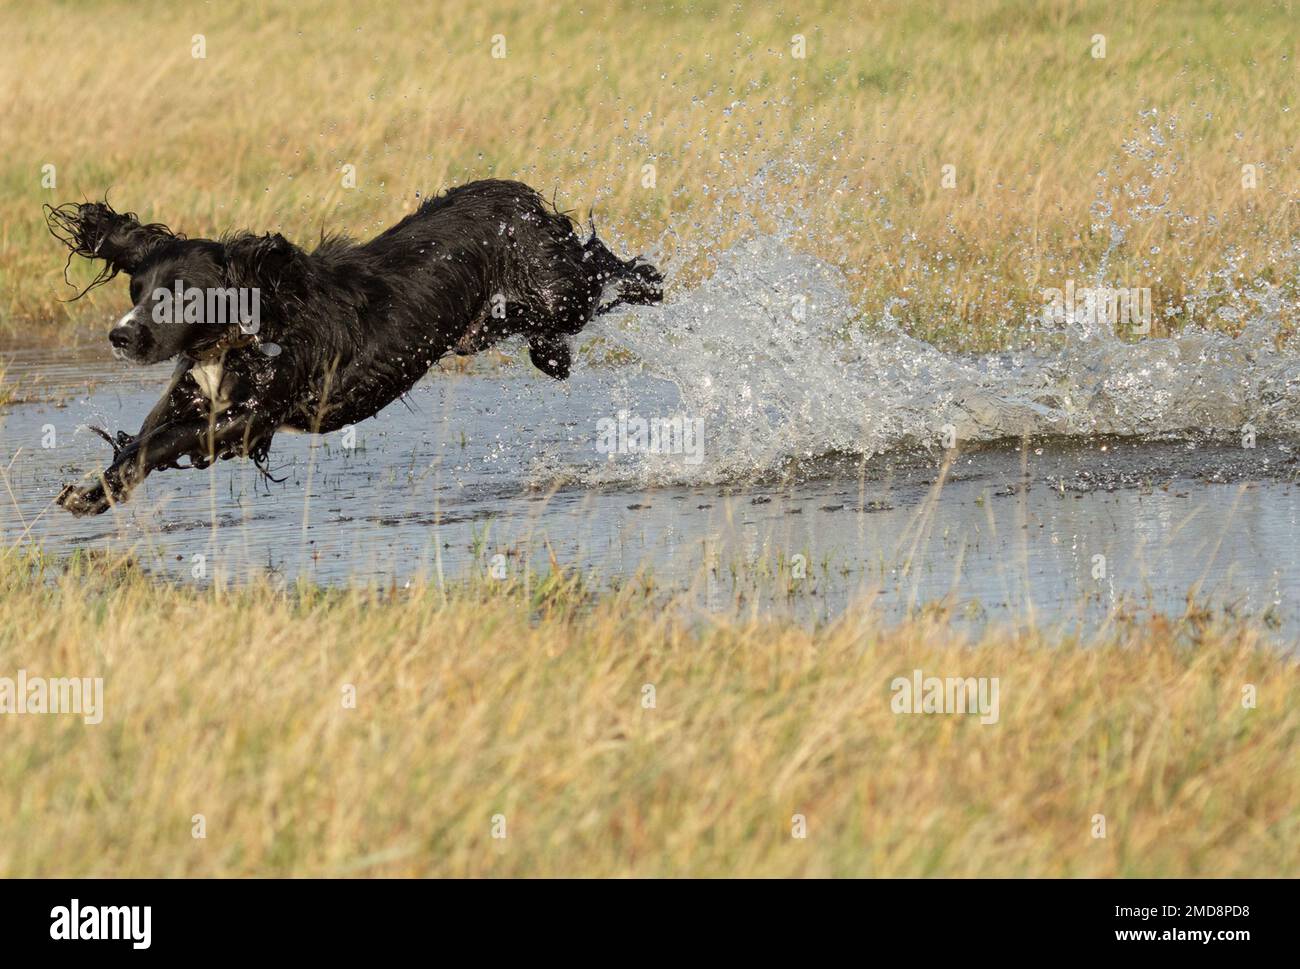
(356, 324)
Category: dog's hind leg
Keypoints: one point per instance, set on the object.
(550, 354)
(477, 336)
(634, 281)
(548, 332)
(547, 347)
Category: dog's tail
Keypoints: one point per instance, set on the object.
(634, 280)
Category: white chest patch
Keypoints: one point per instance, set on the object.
(209, 378)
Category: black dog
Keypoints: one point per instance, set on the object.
(340, 332)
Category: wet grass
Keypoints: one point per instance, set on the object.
(1127, 168)
(621, 734)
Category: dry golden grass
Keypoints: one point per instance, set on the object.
(496, 702)
(255, 135)
(528, 703)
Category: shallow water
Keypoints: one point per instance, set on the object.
(507, 463)
(831, 457)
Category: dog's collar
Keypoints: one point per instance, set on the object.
(235, 341)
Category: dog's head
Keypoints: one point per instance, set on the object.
(186, 294)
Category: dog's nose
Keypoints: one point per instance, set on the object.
(120, 337)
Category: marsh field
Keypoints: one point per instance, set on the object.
(980, 350)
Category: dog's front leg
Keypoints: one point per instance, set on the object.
(233, 432)
(177, 402)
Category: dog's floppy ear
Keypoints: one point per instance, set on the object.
(268, 262)
(94, 230)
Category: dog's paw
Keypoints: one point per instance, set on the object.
(551, 356)
(118, 444)
(86, 500)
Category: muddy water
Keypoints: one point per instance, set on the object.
(509, 463)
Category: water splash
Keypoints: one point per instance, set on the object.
(784, 368)
(771, 354)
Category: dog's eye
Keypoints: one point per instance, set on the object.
(136, 287)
